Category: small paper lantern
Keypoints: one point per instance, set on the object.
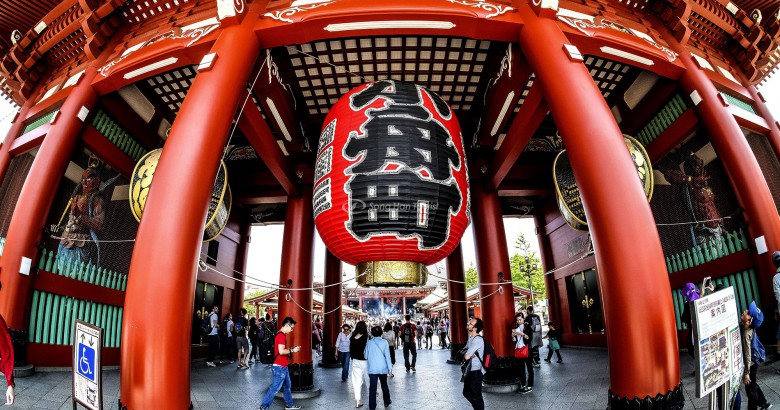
(568, 194)
(219, 204)
(391, 185)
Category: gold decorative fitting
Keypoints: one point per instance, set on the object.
(391, 274)
(219, 204)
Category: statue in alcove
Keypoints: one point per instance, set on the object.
(86, 217)
(700, 199)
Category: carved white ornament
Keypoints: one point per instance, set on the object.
(16, 36)
(586, 26)
(283, 15)
(229, 8)
(546, 4)
(194, 31)
(493, 9)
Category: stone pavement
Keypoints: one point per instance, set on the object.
(580, 383)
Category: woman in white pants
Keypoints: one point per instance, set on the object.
(357, 351)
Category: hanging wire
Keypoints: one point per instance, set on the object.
(333, 65)
(699, 222)
(289, 298)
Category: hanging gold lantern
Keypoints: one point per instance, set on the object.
(568, 194)
(219, 204)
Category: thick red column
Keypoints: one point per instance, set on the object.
(155, 354)
(763, 110)
(16, 128)
(32, 208)
(545, 248)
(631, 267)
(497, 306)
(739, 162)
(332, 310)
(296, 273)
(456, 293)
(242, 253)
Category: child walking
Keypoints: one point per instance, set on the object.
(554, 346)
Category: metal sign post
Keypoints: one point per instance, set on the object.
(87, 374)
(718, 343)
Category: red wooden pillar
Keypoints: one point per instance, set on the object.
(643, 346)
(155, 354)
(242, 253)
(497, 302)
(16, 129)
(763, 110)
(296, 273)
(739, 162)
(32, 207)
(456, 293)
(545, 248)
(332, 310)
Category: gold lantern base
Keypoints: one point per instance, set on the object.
(389, 274)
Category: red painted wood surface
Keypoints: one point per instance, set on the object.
(63, 285)
(456, 293)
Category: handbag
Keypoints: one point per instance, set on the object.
(465, 368)
(521, 352)
(554, 345)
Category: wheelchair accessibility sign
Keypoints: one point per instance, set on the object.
(87, 380)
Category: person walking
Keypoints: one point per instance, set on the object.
(443, 335)
(553, 344)
(389, 335)
(213, 336)
(7, 362)
(379, 365)
(281, 375)
(420, 331)
(408, 331)
(522, 335)
(254, 340)
(753, 354)
(428, 335)
(357, 352)
(342, 350)
(475, 350)
(242, 345)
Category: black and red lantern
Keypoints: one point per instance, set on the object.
(390, 188)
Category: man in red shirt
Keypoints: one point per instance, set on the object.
(408, 331)
(282, 356)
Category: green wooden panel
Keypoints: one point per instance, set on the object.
(33, 316)
(51, 322)
(61, 320)
(118, 332)
(41, 315)
(677, 309)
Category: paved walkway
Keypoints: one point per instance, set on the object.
(580, 383)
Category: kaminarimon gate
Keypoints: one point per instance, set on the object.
(101, 85)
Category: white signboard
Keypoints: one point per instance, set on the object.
(718, 342)
(87, 375)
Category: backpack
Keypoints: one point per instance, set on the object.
(267, 351)
(408, 333)
(489, 359)
(223, 330)
(205, 324)
(757, 351)
(429, 331)
(261, 330)
(238, 327)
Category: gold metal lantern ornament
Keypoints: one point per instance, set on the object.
(219, 204)
(568, 194)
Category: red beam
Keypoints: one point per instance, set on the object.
(673, 135)
(45, 355)
(531, 114)
(30, 140)
(726, 265)
(259, 135)
(63, 285)
(650, 104)
(107, 151)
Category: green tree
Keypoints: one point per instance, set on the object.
(250, 309)
(523, 257)
(471, 277)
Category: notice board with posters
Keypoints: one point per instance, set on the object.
(718, 342)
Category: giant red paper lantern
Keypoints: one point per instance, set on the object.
(390, 188)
